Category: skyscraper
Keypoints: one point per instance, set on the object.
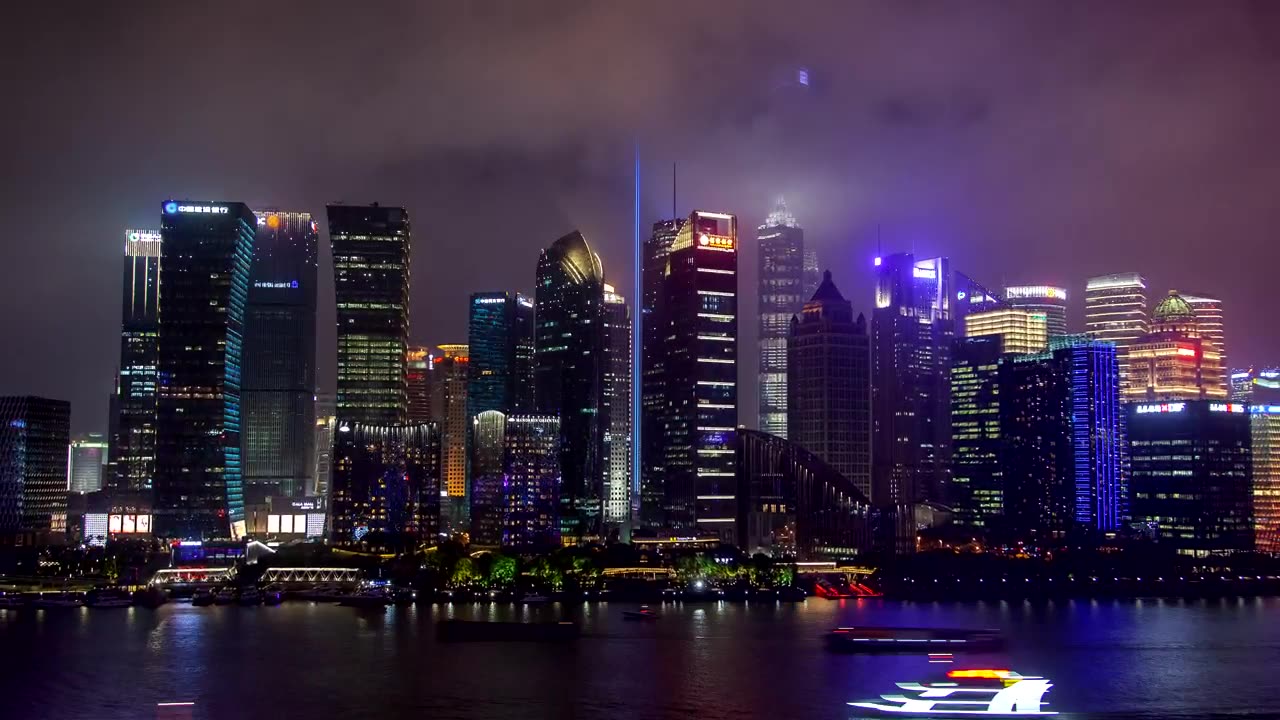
(1045, 299)
(781, 295)
(1116, 312)
(911, 331)
(516, 480)
(371, 248)
(420, 369)
(86, 460)
(569, 367)
(971, 296)
(977, 481)
(34, 434)
(812, 272)
(1172, 361)
(386, 479)
(278, 393)
(1192, 474)
(617, 412)
(206, 258)
(700, 379)
(500, 353)
(1264, 423)
(133, 442)
(829, 384)
(1021, 331)
(1209, 327)
(653, 332)
(449, 406)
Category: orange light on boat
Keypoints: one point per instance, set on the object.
(983, 674)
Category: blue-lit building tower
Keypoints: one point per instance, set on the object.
(1099, 445)
(500, 342)
(206, 257)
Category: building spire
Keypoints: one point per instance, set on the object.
(781, 216)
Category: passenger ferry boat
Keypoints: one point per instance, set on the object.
(912, 640)
(988, 693)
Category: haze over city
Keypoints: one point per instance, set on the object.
(1035, 142)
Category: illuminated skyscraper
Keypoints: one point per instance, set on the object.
(515, 480)
(500, 353)
(569, 369)
(617, 412)
(1171, 362)
(1192, 474)
(1265, 443)
(781, 295)
(1116, 312)
(86, 460)
(829, 384)
(1045, 299)
(420, 369)
(386, 479)
(1209, 327)
(911, 332)
(206, 259)
(970, 297)
(449, 406)
(700, 378)
(977, 481)
(1256, 385)
(653, 332)
(34, 434)
(371, 249)
(812, 273)
(1020, 331)
(133, 444)
(278, 393)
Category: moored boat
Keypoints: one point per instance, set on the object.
(108, 598)
(645, 613)
(203, 597)
(250, 596)
(371, 598)
(225, 596)
(51, 601)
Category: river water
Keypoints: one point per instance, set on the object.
(1107, 659)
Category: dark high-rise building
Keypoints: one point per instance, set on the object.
(700, 378)
(781, 294)
(812, 272)
(420, 367)
(386, 479)
(653, 330)
(977, 483)
(207, 255)
(829, 384)
(371, 248)
(86, 460)
(569, 367)
(34, 435)
(449, 407)
(970, 297)
(911, 331)
(1192, 474)
(132, 456)
(500, 353)
(617, 413)
(278, 387)
(515, 480)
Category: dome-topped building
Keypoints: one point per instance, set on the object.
(1174, 361)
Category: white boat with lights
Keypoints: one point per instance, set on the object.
(988, 693)
(873, 639)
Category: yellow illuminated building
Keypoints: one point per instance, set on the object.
(1173, 362)
(1021, 331)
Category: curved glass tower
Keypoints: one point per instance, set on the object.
(569, 346)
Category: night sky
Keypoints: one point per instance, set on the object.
(1029, 141)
